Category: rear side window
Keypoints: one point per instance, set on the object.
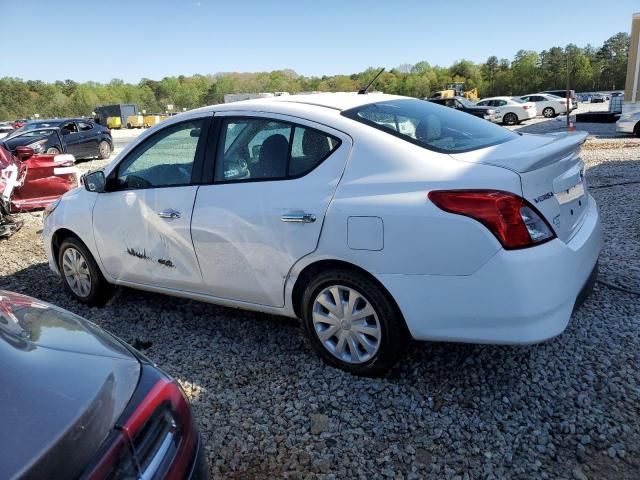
(84, 126)
(431, 126)
(261, 149)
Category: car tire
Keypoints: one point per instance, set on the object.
(80, 274)
(510, 119)
(548, 112)
(52, 151)
(369, 346)
(104, 150)
(636, 130)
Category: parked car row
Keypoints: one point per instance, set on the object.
(511, 110)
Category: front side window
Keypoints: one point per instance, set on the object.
(433, 127)
(165, 159)
(70, 127)
(264, 149)
(484, 103)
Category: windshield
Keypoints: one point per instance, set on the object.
(431, 126)
(518, 100)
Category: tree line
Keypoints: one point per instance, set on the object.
(590, 69)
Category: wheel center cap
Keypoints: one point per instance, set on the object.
(345, 324)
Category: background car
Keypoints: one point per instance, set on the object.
(41, 140)
(80, 137)
(365, 215)
(629, 123)
(563, 94)
(547, 105)
(598, 98)
(5, 128)
(19, 123)
(511, 110)
(464, 105)
(83, 404)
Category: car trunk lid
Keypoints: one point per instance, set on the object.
(551, 171)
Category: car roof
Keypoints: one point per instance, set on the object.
(338, 101)
(496, 98)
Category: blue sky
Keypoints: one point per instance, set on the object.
(100, 40)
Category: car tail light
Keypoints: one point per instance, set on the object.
(526, 107)
(108, 131)
(513, 220)
(155, 437)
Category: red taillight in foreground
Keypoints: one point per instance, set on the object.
(526, 107)
(157, 440)
(513, 220)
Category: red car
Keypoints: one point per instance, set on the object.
(29, 182)
(19, 123)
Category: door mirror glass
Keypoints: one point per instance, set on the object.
(94, 181)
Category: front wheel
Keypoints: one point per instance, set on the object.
(104, 150)
(352, 324)
(510, 119)
(549, 112)
(80, 274)
(636, 130)
(53, 151)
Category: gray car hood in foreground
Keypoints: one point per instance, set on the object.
(63, 384)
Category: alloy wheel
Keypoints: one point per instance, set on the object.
(76, 272)
(346, 324)
(104, 149)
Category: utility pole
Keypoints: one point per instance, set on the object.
(568, 89)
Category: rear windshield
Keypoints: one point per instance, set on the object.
(518, 100)
(431, 126)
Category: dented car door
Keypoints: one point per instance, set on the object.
(142, 221)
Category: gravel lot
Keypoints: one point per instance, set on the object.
(267, 407)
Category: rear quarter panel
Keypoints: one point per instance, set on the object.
(390, 178)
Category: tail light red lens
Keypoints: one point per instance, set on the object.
(158, 438)
(513, 220)
(526, 107)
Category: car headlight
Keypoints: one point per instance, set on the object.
(38, 147)
(49, 209)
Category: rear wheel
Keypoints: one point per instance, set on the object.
(548, 112)
(104, 150)
(53, 151)
(81, 276)
(510, 119)
(636, 130)
(352, 324)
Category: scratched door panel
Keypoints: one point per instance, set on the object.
(137, 244)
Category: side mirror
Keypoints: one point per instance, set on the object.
(65, 132)
(94, 181)
(24, 153)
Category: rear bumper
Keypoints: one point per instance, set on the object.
(517, 297)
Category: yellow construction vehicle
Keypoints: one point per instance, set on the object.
(456, 89)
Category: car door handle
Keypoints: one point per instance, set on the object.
(298, 217)
(169, 213)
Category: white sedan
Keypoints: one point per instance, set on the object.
(510, 111)
(332, 208)
(548, 105)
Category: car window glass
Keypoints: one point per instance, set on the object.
(165, 159)
(84, 126)
(260, 150)
(309, 148)
(434, 128)
(500, 103)
(484, 103)
(71, 127)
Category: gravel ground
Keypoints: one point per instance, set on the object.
(267, 407)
